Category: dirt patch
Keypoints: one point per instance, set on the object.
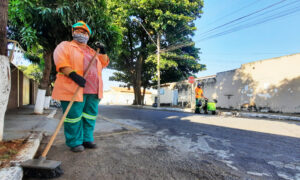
(9, 150)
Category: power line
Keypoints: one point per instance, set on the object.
(186, 28)
(243, 17)
(269, 18)
(248, 53)
(264, 19)
(236, 20)
(255, 17)
(171, 48)
(234, 12)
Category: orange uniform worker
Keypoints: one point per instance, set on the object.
(71, 59)
(200, 99)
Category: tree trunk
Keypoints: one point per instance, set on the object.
(143, 96)
(5, 86)
(3, 24)
(47, 98)
(138, 81)
(40, 101)
(5, 75)
(46, 74)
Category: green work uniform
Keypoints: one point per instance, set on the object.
(80, 122)
(202, 102)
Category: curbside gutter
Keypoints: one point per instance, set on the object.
(260, 115)
(15, 172)
(269, 116)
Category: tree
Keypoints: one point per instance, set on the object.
(4, 65)
(3, 25)
(33, 71)
(46, 23)
(173, 21)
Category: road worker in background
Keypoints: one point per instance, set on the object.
(201, 100)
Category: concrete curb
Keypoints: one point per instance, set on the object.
(269, 116)
(16, 172)
(237, 114)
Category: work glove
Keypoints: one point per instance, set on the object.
(77, 79)
(102, 48)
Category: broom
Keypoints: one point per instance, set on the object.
(43, 168)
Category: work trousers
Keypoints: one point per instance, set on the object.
(200, 104)
(80, 122)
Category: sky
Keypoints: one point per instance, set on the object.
(274, 38)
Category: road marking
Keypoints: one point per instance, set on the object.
(258, 174)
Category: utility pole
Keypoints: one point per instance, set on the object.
(158, 56)
(158, 69)
(191, 94)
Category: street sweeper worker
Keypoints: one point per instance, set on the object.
(200, 99)
(71, 59)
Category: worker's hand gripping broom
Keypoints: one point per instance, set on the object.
(42, 168)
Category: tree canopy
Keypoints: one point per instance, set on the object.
(46, 23)
(33, 71)
(169, 19)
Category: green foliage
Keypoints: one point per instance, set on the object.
(32, 71)
(33, 57)
(48, 22)
(173, 20)
(43, 24)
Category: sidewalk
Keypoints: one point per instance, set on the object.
(233, 113)
(20, 124)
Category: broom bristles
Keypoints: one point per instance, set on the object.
(42, 173)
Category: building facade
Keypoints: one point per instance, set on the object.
(271, 85)
(123, 96)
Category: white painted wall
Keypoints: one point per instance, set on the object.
(272, 83)
(167, 95)
(5, 78)
(117, 98)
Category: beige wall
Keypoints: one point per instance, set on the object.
(26, 91)
(272, 83)
(16, 93)
(23, 90)
(13, 96)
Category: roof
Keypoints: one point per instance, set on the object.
(205, 77)
(126, 90)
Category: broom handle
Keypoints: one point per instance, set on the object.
(45, 152)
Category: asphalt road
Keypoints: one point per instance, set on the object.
(175, 145)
